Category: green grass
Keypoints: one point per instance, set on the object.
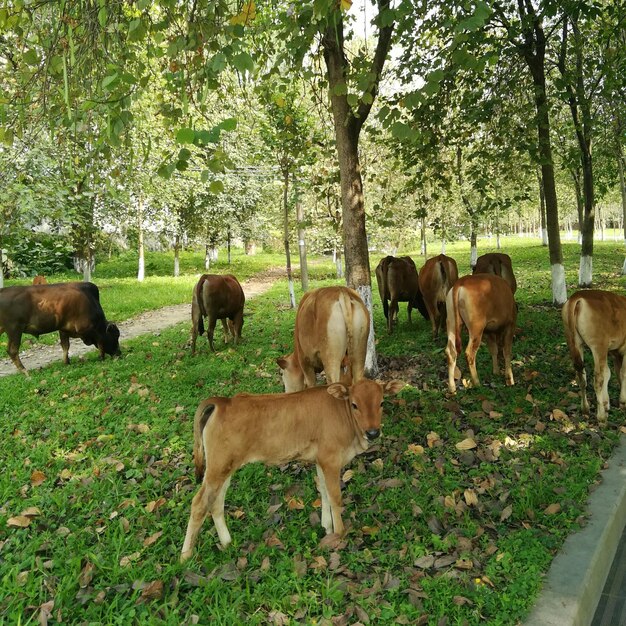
(113, 442)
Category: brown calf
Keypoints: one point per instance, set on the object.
(40, 279)
(217, 297)
(398, 282)
(485, 304)
(598, 319)
(435, 280)
(331, 331)
(327, 426)
(499, 264)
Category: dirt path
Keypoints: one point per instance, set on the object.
(148, 322)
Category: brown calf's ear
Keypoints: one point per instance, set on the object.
(339, 391)
(394, 386)
(282, 362)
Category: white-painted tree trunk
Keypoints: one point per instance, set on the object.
(473, 256)
(371, 361)
(585, 271)
(624, 268)
(559, 288)
(2, 268)
(443, 246)
(87, 270)
(141, 264)
(292, 294)
(339, 267)
(207, 258)
(544, 237)
(498, 242)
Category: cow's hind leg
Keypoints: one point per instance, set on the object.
(601, 375)
(492, 343)
(226, 329)
(65, 346)
(475, 337)
(211, 322)
(451, 355)
(393, 314)
(201, 504)
(507, 353)
(576, 354)
(217, 512)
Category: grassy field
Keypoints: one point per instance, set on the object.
(97, 481)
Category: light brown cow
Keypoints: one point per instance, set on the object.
(217, 297)
(598, 319)
(435, 280)
(485, 304)
(331, 331)
(398, 282)
(499, 264)
(327, 426)
(40, 279)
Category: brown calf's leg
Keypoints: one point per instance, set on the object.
(200, 505)
(333, 489)
(507, 353)
(211, 322)
(327, 520)
(226, 329)
(217, 512)
(451, 355)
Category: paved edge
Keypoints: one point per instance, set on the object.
(575, 580)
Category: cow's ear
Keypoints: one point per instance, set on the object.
(339, 391)
(282, 362)
(394, 386)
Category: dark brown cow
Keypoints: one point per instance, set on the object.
(435, 280)
(499, 264)
(598, 319)
(73, 309)
(217, 297)
(327, 426)
(398, 282)
(485, 304)
(331, 331)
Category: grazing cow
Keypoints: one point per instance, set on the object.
(597, 318)
(499, 264)
(398, 282)
(217, 297)
(485, 304)
(40, 279)
(327, 426)
(71, 308)
(435, 280)
(331, 331)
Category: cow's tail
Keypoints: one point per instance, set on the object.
(570, 334)
(203, 413)
(200, 302)
(345, 302)
(457, 318)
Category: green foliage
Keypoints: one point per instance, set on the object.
(39, 253)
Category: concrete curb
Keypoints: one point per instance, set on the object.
(576, 578)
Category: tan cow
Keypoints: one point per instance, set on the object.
(435, 280)
(598, 319)
(398, 282)
(217, 297)
(331, 331)
(499, 264)
(485, 304)
(40, 279)
(327, 426)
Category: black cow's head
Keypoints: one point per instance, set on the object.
(111, 340)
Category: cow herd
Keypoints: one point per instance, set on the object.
(328, 425)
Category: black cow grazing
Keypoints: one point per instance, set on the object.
(217, 297)
(71, 308)
(397, 280)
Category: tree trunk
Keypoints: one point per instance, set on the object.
(1, 264)
(87, 262)
(473, 245)
(207, 257)
(292, 295)
(622, 186)
(141, 270)
(177, 256)
(536, 65)
(228, 240)
(304, 272)
(347, 128)
(542, 210)
(424, 245)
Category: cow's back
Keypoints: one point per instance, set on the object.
(497, 263)
(437, 275)
(487, 295)
(221, 295)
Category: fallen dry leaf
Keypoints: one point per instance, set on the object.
(19, 521)
(506, 513)
(432, 438)
(86, 574)
(552, 509)
(148, 541)
(152, 591)
(466, 444)
(155, 504)
(31, 511)
(471, 499)
(347, 475)
(36, 478)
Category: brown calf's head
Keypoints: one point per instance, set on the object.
(366, 401)
(293, 377)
